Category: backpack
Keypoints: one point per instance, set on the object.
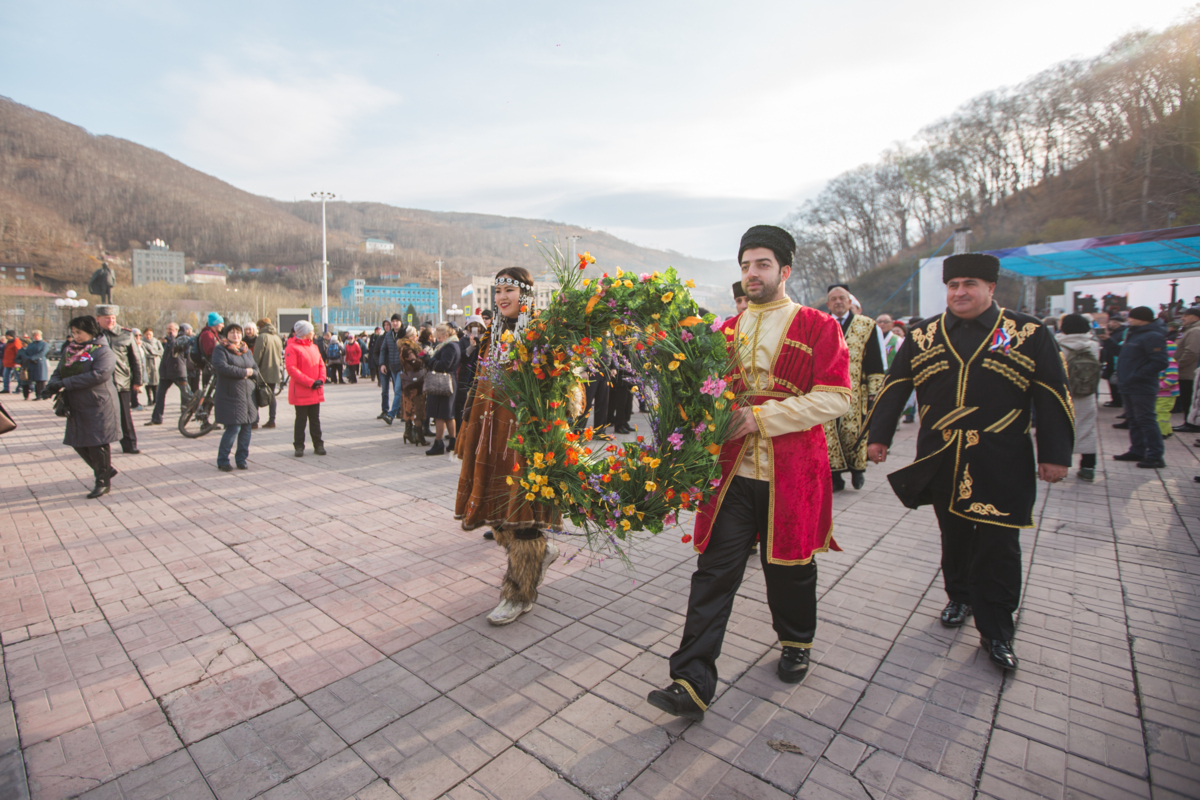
(334, 351)
(1083, 372)
(195, 352)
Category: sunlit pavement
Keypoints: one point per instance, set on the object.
(314, 628)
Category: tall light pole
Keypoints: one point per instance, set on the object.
(574, 238)
(323, 196)
(439, 263)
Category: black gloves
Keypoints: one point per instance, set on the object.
(318, 384)
(54, 386)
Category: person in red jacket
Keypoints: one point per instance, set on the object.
(11, 346)
(353, 359)
(306, 385)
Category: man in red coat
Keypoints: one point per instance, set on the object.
(792, 374)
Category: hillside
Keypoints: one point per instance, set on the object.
(67, 196)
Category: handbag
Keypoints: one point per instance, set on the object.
(7, 423)
(439, 384)
(262, 394)
(61, 409)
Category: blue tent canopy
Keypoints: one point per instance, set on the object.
(1167, 250)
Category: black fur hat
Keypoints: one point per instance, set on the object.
(971, 265)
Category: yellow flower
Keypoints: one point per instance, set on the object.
(628, 510)
(587, 281)
(619, 272)
(712, 428)
(691, 284)
(655, 316)
(719, 404)
(628, 284)
(506, 336)
(728, 395)
(547, 492)
(530, 496)
(668, 297)
(509, 480)
(681, 356)
(624, 476)
(651, 486)
(625, 524)
(674, 365)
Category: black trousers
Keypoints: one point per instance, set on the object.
(335, 373)
(620, 403)
(99, 458)
(151, 390)
(311, 416)
(596, 395)
(981, 563)
(36, 386)
(160, 397)
(1184, 401)
(128, 434)
(791, 590)
(1115, 390)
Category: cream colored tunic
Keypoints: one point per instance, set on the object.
(760, 333)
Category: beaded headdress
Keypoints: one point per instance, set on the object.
(498, 321)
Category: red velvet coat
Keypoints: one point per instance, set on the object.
(812, 358)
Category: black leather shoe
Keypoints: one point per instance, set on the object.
(319, 449)
(1111, 404)
(1000, 653)
(955, 614)
(675, 700)
(224, 468)
(242, 466)
(857, 478)
(1122, 426)
(793, 664)
(1129, 457)
(839, 484)
(299, 452)
(101, 488)
(489, 534)
(1186, 427)
(1152, 463)
(132, 452)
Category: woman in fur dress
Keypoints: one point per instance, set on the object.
(484, 496)
(412, 387)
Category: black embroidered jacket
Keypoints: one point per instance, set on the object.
(976, 384)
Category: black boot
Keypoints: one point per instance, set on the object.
(450, 444)
(102, 469)
(419, 436)
(439, 448)
(408, 432)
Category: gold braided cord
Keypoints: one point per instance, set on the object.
(1021, 382)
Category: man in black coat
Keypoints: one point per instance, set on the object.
(978, 370)
(1143, 356)
(172, 371)
(390, 367)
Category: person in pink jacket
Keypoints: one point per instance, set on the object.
(306, 385)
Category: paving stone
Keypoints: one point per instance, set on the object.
(370, 699)
(597, 745)
(685, 771)
(428, 751)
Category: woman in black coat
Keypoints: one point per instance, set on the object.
(233, 399)
(84, 375)
(441, 407)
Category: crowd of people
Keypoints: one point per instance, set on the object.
(977, 379)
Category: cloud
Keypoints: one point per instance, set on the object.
(262, 117)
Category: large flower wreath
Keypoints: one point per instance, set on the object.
(648, 326)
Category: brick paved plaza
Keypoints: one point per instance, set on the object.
(314, 628)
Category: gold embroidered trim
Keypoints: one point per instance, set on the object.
(788, 384)
(921, 358)
(1021, 382)
(972, 438)
(964, 488)
(929, 372)
(1022, 359)
(770, 393)
(1066, 403)
(1010, 327)
(801, 345)
(801, 645)
(1003, 422)
(953, 416)
(762, 430)
(986, 510)
(823, 388)
(692, 692)
(948, 434)
(925, 338)
(771, 306)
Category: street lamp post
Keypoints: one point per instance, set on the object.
(574, 247)
(70, 301)
(441, 318)
(323, 196)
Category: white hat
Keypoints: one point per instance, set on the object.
(302, 327)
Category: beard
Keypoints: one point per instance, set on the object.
(766, 290)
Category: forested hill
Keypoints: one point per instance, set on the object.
(67, 195)
(1085, 148)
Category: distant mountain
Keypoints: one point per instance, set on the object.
(66, 196)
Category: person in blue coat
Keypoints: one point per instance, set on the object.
(33, 358)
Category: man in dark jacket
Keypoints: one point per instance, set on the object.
(390, 364)
(1110, 352)
(374, 346)
(1143, 357)
(128, 372)
(172, 371)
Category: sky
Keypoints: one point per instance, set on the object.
(674, 125)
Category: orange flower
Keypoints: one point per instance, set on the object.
(715, 449)
(689, 322)
(592, 304)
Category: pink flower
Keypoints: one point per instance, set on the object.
(713, 386)
(687, 336)
(669, 519)
(676, 440)
(717, 323)
(644, 277)
(715, 483)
